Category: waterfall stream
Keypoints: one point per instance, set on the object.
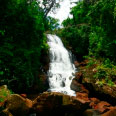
(61, 68)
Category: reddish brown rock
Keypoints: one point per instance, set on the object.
(84, 63)
(28, 103)
(23, 95)
(52, 102)
(94, 102)
(91, 112)
(91, 83)
(1, 104)
(102, 106)
(44, 85)
(78, 77)
(111, 112)
(78, 87)
(84, 90)
(17, 105)
(110, 107)
(82, 96)
(76, 63)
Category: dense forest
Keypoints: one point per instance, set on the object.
(23, 24)
(91, 35)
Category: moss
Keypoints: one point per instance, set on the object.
(99, 71)
(4, 92)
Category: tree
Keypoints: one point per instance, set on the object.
(93, 24)
(52, 23)
(50, 5)
(21, 42)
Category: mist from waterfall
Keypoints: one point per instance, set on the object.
(61, 68)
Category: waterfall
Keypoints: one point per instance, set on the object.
(61, 68)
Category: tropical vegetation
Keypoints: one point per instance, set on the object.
(22, 40)
(91, 33)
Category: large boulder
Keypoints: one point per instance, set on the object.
(91, 112)
(105, 92)
(94, 102)
(111, 112)
(54, 103)
(17, 106)
(102, 106)
(96, 87)
(77, 87)
(82, 96)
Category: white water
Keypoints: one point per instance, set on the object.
(61, 69)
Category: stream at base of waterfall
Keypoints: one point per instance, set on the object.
(61, 69)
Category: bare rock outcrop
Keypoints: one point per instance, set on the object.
(58, 104)
(15, 105)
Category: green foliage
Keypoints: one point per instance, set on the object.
(22, 27)
(76, 37)
(79, 13)
(91, 32)
(52, 23)
(103, 24)
(101, 72)
(94, 24)
(97, 41)
(67, 22)
(4, 92)
(106, 71)
(91, 61)
(50, 5)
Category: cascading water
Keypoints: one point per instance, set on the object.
(61, 69)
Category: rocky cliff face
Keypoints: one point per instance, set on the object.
(85, 77)
(58, 104)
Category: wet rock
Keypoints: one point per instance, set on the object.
(111, 112)
(78, 77)
(75, 86)
(105, 92)
(70, 78)
(78, 87)
(94, 102)
(44, 85)
(102, 106)
(41, 85)
(82, 96)
(91, 112)
(84, 63)
(45, 60)
(50, 103)
(17, 106)
(76, 63)
(109, 90)
(23, 95)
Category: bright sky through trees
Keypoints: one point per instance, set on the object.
(64, 11)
